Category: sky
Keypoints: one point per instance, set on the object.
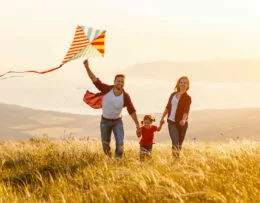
(37, 34)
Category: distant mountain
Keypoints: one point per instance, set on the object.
(241, 70)
(19, 123)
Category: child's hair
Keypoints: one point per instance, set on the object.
(149, 117)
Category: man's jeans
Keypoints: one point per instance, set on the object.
(106, 128)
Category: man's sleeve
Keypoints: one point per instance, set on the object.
(104, 88)
(129, 105)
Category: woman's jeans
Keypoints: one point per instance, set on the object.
(106, 128)
(177, 134)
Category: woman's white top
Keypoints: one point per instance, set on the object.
(174, 102)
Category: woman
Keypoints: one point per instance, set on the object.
(177, 111)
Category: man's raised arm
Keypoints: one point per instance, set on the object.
(90, 73)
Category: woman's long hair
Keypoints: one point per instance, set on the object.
(177, 86)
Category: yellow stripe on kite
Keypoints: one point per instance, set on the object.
(99, 40)
(99, 46)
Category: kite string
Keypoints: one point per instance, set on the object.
(10, 74)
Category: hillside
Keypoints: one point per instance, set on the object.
(19, 123)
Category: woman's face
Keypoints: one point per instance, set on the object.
(183, 84)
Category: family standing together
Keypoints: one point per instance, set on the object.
(113, 98)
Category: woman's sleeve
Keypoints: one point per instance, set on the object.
(168, 106)
(186, 109)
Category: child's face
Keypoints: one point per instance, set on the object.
(147, 123)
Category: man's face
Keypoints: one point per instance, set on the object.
(119, 83)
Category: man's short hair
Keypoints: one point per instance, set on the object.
(119, 75)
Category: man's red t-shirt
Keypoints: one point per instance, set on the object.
(147, 135)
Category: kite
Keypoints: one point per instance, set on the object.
(87, 42)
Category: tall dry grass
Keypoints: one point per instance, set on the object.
(77, 171)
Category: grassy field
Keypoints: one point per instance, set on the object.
(77, 171)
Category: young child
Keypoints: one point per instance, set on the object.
(147, 136)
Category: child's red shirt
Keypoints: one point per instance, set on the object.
(147, 135)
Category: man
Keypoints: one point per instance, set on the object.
(112, 99)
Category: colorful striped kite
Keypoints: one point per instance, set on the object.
(87, 42)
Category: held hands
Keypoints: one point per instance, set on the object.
(160, 126)
(138, 131)
(161, 122)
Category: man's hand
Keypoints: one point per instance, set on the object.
(90, 74)
(138, 131)
(137, 124)
(85, 62)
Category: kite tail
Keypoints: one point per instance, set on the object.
(29, 71)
